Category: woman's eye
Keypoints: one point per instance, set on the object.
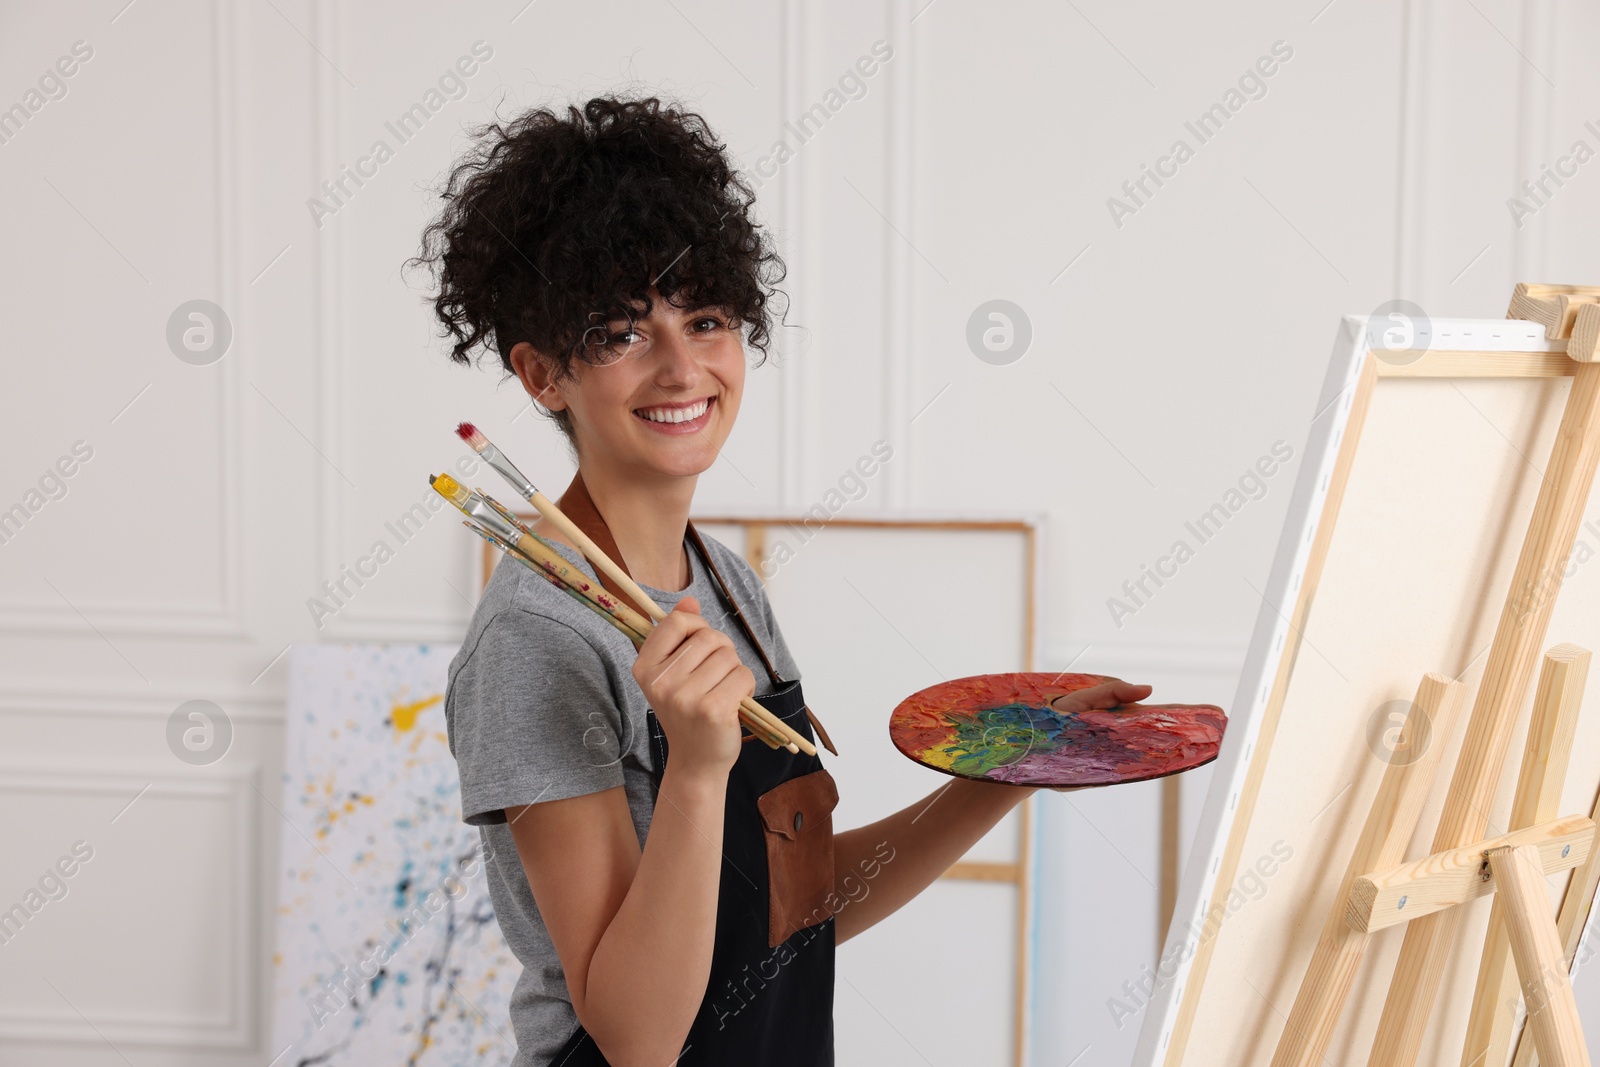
(709, 322)
(626, 337)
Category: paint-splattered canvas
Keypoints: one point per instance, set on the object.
(1026, 730)
(387, 948)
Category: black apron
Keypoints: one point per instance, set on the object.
(769, 999)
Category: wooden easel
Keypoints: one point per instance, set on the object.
(1525, 937)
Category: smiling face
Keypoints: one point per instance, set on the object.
(665, 398)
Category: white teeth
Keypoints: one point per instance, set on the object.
(688, 414)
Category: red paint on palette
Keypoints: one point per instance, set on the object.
(1028, 729)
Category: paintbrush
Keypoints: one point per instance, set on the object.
(511, 550)
(790, 737)
(557, 518)
(535, 552)
(632, 635)
(627, 631)
(489, 514)
(540, 553)
(591, 551)
(628, 620)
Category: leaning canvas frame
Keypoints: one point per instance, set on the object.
(1459, 348)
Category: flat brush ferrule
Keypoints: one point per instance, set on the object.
(508, 470)
(487, 536)
(492, 520)
(515, 522)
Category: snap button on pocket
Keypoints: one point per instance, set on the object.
(799, 820)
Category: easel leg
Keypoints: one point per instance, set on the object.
(1569, 924)
(1541, 961)
(1538, 799)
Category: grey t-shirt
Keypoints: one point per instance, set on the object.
(541, 705)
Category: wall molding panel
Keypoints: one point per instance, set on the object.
(238, 956)
(225, 619)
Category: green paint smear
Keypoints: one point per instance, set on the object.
(999, 737)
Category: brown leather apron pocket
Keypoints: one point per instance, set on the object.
(798, 818)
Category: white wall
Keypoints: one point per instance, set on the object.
(1168, 354)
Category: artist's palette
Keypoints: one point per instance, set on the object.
(1017, 728)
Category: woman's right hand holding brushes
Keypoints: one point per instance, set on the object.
(694, 681)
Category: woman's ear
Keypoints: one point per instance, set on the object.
(537, 376)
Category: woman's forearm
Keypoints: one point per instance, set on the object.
(648, 973)
(923, 840)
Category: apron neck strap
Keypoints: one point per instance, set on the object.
(579, 506)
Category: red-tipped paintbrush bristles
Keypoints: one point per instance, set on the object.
(498, 460)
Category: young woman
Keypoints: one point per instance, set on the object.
(673, 890)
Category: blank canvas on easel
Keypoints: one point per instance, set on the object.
(1396, 556)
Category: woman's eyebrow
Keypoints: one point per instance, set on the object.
(620, 319)
(639, 314)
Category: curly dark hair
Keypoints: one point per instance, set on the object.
(556, 224)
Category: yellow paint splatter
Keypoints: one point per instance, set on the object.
(404, 716)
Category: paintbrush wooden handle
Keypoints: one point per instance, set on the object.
(552, 563)
(603, 562)
(792, 739)
(595, 554)
(548, 559)
(536, 552)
